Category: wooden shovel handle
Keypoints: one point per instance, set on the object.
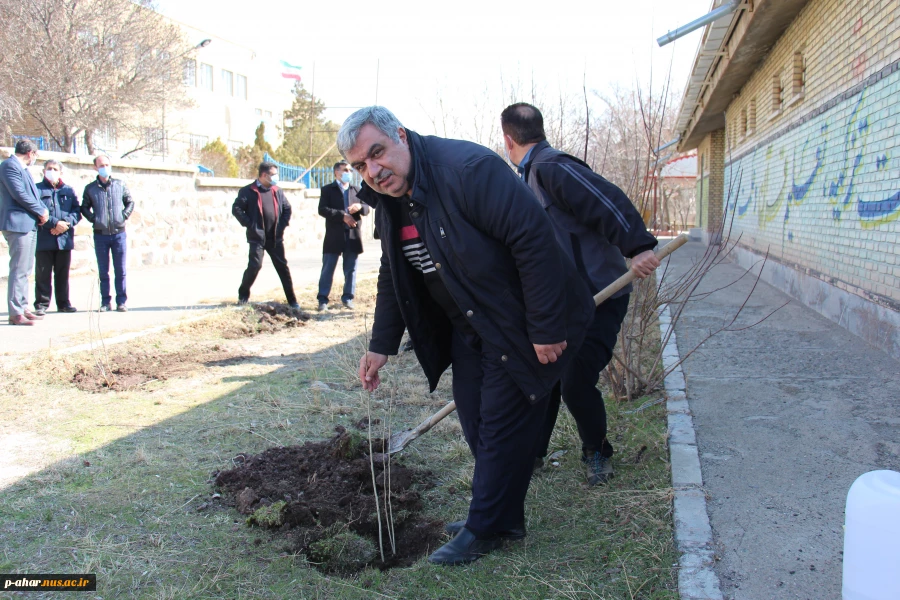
(628, 277)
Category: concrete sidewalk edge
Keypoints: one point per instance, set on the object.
(697, 579)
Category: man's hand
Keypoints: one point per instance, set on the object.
(61, 227)
(350, 221)
(355, 208)
(369, 365)
(43, 218)
(548, 353)
(644, 264)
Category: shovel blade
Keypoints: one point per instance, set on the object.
(399, 441)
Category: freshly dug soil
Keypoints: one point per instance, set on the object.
(266, 317)
(137, 367)
(322, 494)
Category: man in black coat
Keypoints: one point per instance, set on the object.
(55, 240)
(263, 210)
(597, 226)
(471, 268)
(342, 211)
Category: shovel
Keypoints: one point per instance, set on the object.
(401, 440)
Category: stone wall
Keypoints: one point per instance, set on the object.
(178, 216)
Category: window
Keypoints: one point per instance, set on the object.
(776, 93)
(744, 122)
(241, 89)
(258, 112)
(156, 140)
(234, 146)
(227, 82)
(751, 117)
(190, 72)
(268, 115)
(798, 75)
(206, 76)
(198, 142)
(106, 137)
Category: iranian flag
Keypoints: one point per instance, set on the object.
(289, 71)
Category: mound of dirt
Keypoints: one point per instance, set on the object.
(321, 496)
(133, 369)
(266, 317)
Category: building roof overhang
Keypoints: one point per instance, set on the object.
(731, 50)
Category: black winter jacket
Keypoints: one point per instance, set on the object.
(331, 206)
(247, 209)
(495, 251)
(595, 222)
(107, 208)
(62, 203)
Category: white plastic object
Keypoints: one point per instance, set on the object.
(872, 538)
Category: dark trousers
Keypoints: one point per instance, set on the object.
(329, 263)
(55, 263)
(276, 255)
(578, 386)
(117, 245)
(502, 429)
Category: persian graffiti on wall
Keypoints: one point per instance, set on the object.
(826, 194)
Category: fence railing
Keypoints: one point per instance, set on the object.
(315, 178)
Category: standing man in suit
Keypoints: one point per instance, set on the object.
(21, 211)
(55, 240)
(265, 212)
(107, 204)
(342, 212)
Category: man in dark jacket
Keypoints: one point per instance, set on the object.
(471, 268)
(263, 210)
(343, 212)
(597, 226)
(55, 240)
(107, 204)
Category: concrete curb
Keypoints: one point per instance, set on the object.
(697, 580)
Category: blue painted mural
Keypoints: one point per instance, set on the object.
(830, 184)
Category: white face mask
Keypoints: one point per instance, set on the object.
(51, 175)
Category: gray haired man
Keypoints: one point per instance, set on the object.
(21, 211)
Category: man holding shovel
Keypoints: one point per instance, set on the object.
(597, 226)
(471, 268)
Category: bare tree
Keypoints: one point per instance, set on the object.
(79, 66)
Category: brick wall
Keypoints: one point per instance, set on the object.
(813, 177)
(179, 217)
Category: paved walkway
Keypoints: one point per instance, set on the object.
(161, 295)
(788, 414)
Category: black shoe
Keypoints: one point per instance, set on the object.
(407, 346)
(67, 309)
(105, 308)
(121, 308)
(294, 306)
(464, 548)
(243, 301)
(348, 304)
(599, 468)
(40, 312)
(516, 533)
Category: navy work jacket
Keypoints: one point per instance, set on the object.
(494, 248)
(63, 205)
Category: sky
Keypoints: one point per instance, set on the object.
(408, 55)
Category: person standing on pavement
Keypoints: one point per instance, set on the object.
(343, 212)
(21, 211)
(55, 241)
(106, 203)
(471, 267)
(597, 226)
(264, 211)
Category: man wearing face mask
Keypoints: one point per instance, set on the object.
(106, 203)
(55, 240)
(265, 212)
(342, 212)
(21, 211)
